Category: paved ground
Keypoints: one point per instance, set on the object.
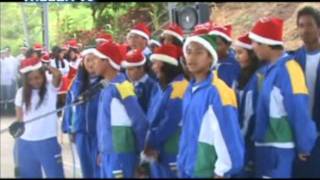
(6, 153)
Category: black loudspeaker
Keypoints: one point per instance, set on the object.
(188, 17)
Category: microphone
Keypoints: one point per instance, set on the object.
(91, 91)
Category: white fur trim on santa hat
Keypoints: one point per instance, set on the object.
(173, 34)
(152, 41)
(242, 45)
(38, 49)
(141, 33)
(126, 64)
(100, 55)
(264, 40)
(164, 58)
(218, 33)
(31, 68)
(45, 60)
(101, 40)
(95, 52)
(203, 42)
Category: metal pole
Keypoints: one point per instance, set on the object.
(171, 5)
(45, 25)
(25, 25)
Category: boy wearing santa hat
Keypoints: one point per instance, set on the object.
(138, 38)
(284, 127)
(211, 144)
(121, 123)
(228, 68)
(145, 87)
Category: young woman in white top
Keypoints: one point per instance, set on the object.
(38, 148)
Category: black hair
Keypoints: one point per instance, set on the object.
(247, 72)
(310, 11)
(170, 72)
(228, 43)
(38, 52)
(29, 53)
(176, 41)
(27, 90)
(84, 77)
(68, 55)
(56, 50)
(276, 47)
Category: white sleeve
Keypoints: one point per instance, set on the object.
(18, 99)
(51, 88)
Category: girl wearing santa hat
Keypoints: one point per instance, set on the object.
(80, 122)
(165, 114)
(38, 147)
(283, 126)
(173, 34)
(121, 122)
(58, 60)
(247, 91)
(211, 144)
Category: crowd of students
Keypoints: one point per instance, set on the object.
(201, 105)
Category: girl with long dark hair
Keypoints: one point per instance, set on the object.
(38, 147)
(165, 114)
(81, 122)
(247, 91)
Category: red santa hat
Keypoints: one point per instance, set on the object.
(37, 47)
(134, 58)
(142, 30)
(202, 29)
(268, 30)
(167, 53)
(65, 47)
(222, 31)
(243, 41)
(73, 43)
(102, 37)
(45, 57)
(30, 64)
(107, 50)
(174, 30)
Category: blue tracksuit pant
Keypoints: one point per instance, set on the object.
(32, 155)
(119, 165)
(87, 148)
(274, 162)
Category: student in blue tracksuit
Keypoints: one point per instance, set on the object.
(165, 113)
(308, 56)
(145, 86)
(211, 144)
(81, 121)
(247, 91)
(228, 67)
(38, 146)
(121, 122)
(283, 126)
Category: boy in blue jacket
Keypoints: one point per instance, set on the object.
(227, 67)
(121, 123)
(211, 144)
(145, 87)
(283, 123)
(308, 56)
